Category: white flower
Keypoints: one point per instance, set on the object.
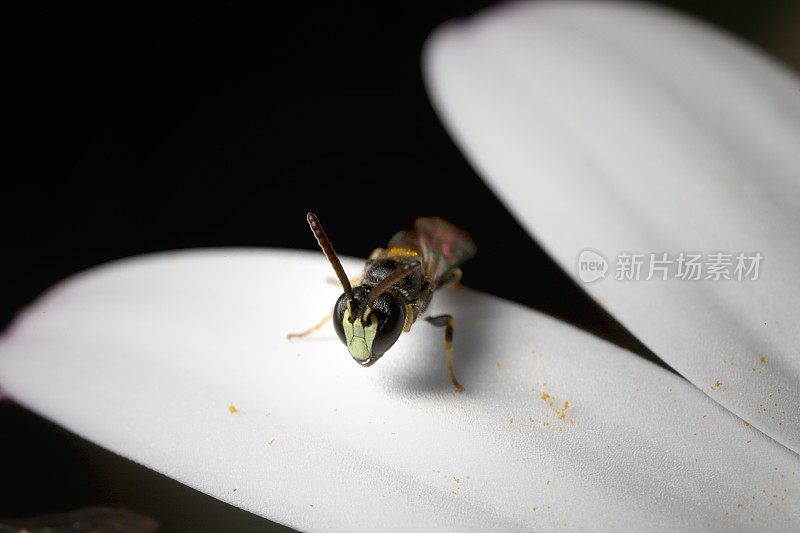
(604, 125)
(629, 128)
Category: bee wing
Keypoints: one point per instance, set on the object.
(443, 246)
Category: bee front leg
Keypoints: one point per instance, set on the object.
(446, 321)
(310, 330)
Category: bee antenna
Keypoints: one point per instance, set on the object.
(330, 253)
(389, 281)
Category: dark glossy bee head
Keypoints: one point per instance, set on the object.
(376, 328)
(367, 319)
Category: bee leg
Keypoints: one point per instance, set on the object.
(310, 330)
(452, 278)
(410, 316)
(446, 321)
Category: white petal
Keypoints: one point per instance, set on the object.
(622, 127)
(145, 357)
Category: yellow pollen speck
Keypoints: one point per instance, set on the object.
(563, 413)
(456, 479)
(762, 360)
(535, 508)
(717, 385)
(271, 442)
(544, 396)
(747, 424)
(454, 493)
(232, 409)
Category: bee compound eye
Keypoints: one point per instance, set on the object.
(338, 316)
(390, 326)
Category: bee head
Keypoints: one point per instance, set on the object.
(368, 328)
(367, 319)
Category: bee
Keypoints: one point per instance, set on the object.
(395, 288)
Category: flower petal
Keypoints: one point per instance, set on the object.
(626, 128)
(180, 361)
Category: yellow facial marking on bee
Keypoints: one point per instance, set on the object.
(359, 338)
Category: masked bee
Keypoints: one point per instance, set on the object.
(395, 288)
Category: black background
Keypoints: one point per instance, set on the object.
(143, 128)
